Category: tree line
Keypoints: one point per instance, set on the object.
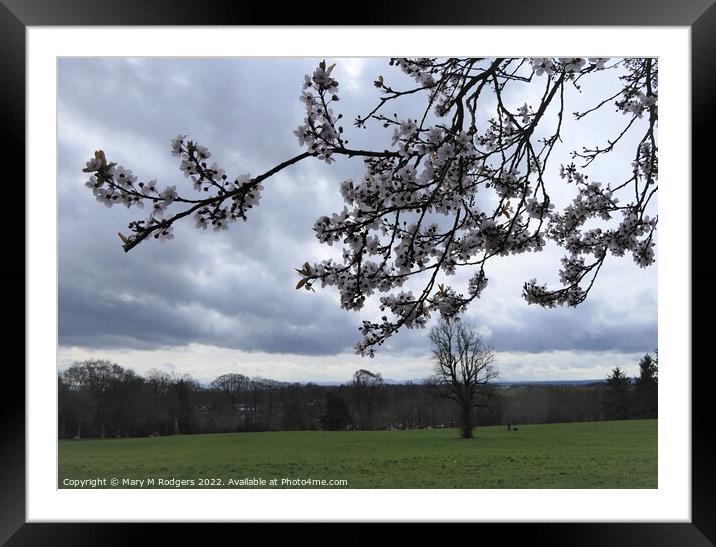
(101, 399)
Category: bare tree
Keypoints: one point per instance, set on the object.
(463, 366)
(232, 385)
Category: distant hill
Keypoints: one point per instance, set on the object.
(548, 383)
(505, 383)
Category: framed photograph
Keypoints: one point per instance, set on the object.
(412, 267)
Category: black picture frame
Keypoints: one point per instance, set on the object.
(16, 15)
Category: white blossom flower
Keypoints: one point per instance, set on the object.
(169, 194)
(106, 196)
(542, 65)
(93, 182)
(94, 164)
(322, 77)
(158, 209)
(572, 64)
(177, 144)
(524, 114)
(148, 187)
(218, 174)
(201, 221)
(123, 177)
(598, 61)
(202, 151)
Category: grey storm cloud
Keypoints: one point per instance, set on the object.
(235, 289)
(549, 330)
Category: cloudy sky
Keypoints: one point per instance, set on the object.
(209, 303)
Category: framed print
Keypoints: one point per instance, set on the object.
(403, 268)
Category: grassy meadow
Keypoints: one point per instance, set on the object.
(618, 454)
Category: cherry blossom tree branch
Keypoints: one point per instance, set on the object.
(455, 189)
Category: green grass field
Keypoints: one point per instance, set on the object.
(620, 454)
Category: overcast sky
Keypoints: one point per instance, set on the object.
(209, 303)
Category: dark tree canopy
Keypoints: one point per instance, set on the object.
(646, 387)
(617, 395)
(335, 416)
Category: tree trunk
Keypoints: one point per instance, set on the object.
(102, 432)
(466, 423)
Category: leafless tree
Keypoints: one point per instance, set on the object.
(463, 367)
(232, 385)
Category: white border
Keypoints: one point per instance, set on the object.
(670, 502)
